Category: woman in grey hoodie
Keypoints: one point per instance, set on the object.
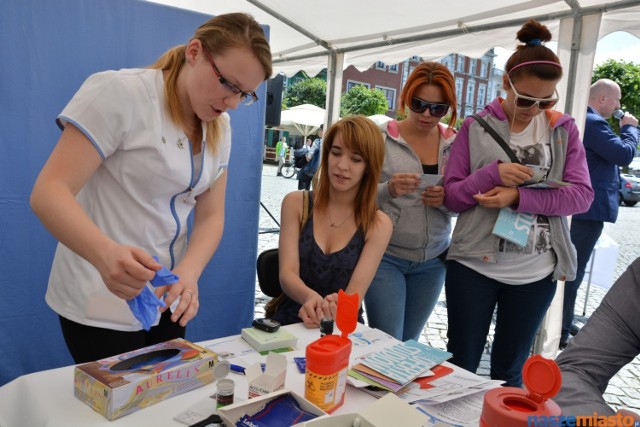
(411, 274)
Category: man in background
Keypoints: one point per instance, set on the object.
(606, 152)
(281, 152)
(305, 175)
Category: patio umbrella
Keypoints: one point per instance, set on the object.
(303, 119)
(379, 119)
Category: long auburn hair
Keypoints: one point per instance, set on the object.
(361, 135)
(431, 73)
(232, 30)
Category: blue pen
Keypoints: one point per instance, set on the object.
(236, 369)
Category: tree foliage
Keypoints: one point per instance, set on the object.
(362, 100)
(627, 75)
(308, 91)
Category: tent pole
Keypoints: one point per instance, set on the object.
(334, 86)
(576, 38)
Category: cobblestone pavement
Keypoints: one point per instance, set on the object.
(624, 388)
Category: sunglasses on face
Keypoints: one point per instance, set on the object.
(526, 102)
(436, 109)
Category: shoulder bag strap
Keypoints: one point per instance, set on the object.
(497, 137)
(305, 208)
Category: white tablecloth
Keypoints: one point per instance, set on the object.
(46, 398)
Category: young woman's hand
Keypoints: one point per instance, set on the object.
(514, 174)
(126, 270)
(330, 306)
(403, 183)
(498, 197)
(187, 290)
(433, 196)
(311, 311)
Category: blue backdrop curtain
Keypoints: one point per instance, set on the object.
(49, 49)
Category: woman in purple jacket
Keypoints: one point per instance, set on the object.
(511, 242)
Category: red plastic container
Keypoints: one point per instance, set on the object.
(512, 407)
(328, 358)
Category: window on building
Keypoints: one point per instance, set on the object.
(482, 94)
(472, 66)
(483, 69)
(468, 110)
(352, 83)
(448, 62)
(460, 66)
(380, 65)
(471, 89)
(390, 93)
(459, 85)
(393, 68)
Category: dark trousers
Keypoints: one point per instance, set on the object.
(88, 343)
(471, 300)
(584, 235)
(304, 184)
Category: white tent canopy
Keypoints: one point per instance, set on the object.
(333, 34)
(304, 119)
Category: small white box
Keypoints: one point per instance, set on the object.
(272, 379)
(232, 413)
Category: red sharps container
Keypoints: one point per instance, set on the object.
(512, 406)
(328, 358)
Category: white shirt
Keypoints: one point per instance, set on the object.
(142, 193)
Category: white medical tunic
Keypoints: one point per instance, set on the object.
(142, 193)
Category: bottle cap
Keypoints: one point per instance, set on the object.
(221, 369)
(542, 377)
(347, 312)
(225, 386)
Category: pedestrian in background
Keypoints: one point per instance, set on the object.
(140, 150)
(484, 181)
(606, 153)
(306, 174)
(411, 274)
(281, 154)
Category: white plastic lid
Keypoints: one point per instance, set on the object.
(221, 369)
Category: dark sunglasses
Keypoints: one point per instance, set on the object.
(436, 109)
(525, 102)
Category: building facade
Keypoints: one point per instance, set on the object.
(477, 80)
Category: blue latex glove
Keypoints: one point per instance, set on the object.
(145, 306)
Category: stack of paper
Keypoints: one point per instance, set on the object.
(396, 366)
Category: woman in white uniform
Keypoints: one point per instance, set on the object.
(140, 149)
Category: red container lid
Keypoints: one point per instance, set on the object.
(347, 312)
(542, 377)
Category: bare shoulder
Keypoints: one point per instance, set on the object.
(382, 226)
(292, 202)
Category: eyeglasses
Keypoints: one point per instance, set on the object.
(527, 102)
(436, 109)
(246, 98)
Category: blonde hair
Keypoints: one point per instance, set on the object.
(218, 34)
(362, 136)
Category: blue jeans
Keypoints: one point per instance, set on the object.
(402, 295)
(471, 300)
(584, 236)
